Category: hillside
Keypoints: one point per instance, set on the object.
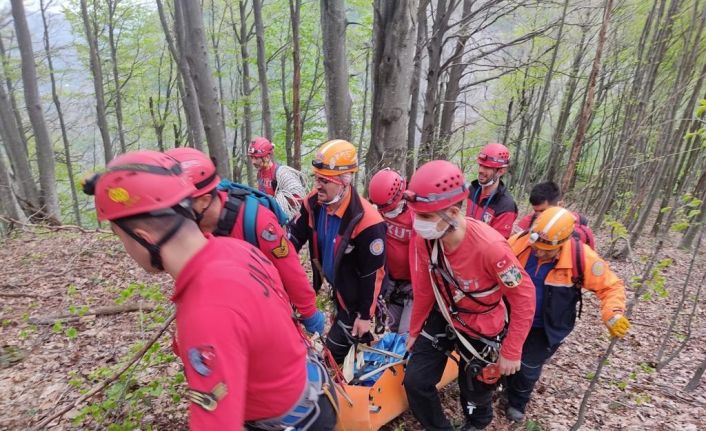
(46, 365)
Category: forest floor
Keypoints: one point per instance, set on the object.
(46, 366)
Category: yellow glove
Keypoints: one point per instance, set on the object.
(618, 325)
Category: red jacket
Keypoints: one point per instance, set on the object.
(399, 237)
(482, 260)
(266, 179)
(230, 307)
(273, 242)
(498, 210)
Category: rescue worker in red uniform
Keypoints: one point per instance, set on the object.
(559, 267)
(461, 271)
(284, 183)
(209, 206)
(489, 201)
(548, 194)
(385, 191)
(346, 237)
(229, 300)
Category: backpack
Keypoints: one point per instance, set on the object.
(240, 195)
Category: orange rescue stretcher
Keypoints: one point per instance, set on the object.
(368, 408)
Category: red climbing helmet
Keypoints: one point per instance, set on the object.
(386, 188)
(139, 182)
(260, 147)
(494, 156)
(435, 186)
(198, 167)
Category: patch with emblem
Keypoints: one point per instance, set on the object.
(201, 359)
(598, 268)
(208, 400)
(377, 247)
(511, 276)
(282, 250)
(487, 218)
(269, 233)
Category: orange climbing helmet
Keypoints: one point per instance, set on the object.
(335, 157)
(198, 167)
(552, 228)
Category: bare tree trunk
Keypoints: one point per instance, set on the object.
(10, 134)
(97, 72)
(416, 75)
(8, 201)
(262, 68)
(243, 36)
(209, 104)
(431, 99)
(186, 87)
(288, 140)
(363, 117)
(453, 87)
(587, 108)
(393, 36)
(557, 144)
(294, 11)
(112, 6)
(216, 43)
(60, 114)
(13, 101)
(45, 153)
(537, 128)
(338, 97)
(696, 378)
(698, 223)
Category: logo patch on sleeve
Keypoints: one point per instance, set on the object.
(598, 268)
(377, 247)
(511, 276)
(282, 250)
(208, 400)
(201, 359)
(269, 233)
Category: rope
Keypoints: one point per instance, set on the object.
(290, 189)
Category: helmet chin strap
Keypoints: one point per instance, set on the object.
(491, 181)
(453, 224)
(154, 249)
(198, 216)
(336, 198)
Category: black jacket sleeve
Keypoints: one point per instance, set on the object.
(299, 229)
(370, 256)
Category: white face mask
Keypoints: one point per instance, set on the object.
(427, 229)
(395, 212)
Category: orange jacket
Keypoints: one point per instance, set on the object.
(598, 277)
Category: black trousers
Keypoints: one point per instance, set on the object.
(339, 339)
(424, 370)
(535, 352)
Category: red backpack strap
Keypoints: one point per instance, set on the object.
(577, 270)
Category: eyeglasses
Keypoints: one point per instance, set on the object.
(324, 181)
